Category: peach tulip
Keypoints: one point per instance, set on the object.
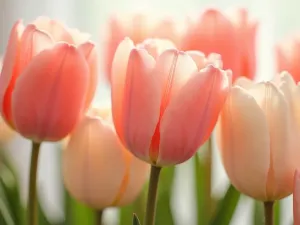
(231, 37)
(137, 27)
(164, 109)
(258, 133)
(97, 169)
(288, 56)
(296, 198)
(48, 79)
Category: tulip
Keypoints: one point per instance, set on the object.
(246, 29)
(97, 169)
(137, 27)
(296, 198)
(164, 110)
(288, 56)
(231, 37)
(6, 133)
(257, 134)
(48, 79)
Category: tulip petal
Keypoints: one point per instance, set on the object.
(199, 58)
(296, 198)
(138, 174)
(56, 29)
(45, 104)
(33, 41)
(141, 103)
(205, 36)
(191, 115)
(8, 69)
(244, 143)
(89, 51)
(244, 82)
(278, 115)
(118, 77)
(174, 68)
(89, 173)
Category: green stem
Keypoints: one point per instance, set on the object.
(99, 216)
(268, 213)
(32, 199)
(152, 196)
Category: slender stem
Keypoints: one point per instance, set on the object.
(268, 213)
(32, 199)
(99, 216)
(152, 195)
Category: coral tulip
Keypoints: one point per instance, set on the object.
(97, 169)
(137, 27)
(231, 37)
(246, 30)
(6, 133)
(257, 134)
(48, 79)
(288, 56)
(164, 109)
(296, 198)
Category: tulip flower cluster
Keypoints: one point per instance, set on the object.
(169, 90)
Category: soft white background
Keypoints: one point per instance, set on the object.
(278, 18)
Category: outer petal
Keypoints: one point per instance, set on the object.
(90, 53)
(191, 115)
(141, 103)
(278, 115)
(244, 143)
(56, 29)
(119, 70)
(9, 63)
(32, 42)
(137, 177)
(93, 163)
(205, 37)
(79, 37)
(45, 104)
(296, 198)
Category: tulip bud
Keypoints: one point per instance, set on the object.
(37, 98)
(258, 136)
(97, 169)
(164, 110)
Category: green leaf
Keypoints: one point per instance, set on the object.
(202, 170)
(76, 213)
(226, 207)
(277, 209)
(258, 213)
(5, 214)
(135, 220)
(137, 207)
(164, 212)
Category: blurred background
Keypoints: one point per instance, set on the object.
(277, 19)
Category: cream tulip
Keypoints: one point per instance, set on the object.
(258, 130)
(97, 169)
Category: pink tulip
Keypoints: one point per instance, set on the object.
(97, 169)
(164, 109)
(288, 56)
(48, 79)
(137, 27)
(231, 37)
(258, 134)
(296, 198)
(246, 30)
